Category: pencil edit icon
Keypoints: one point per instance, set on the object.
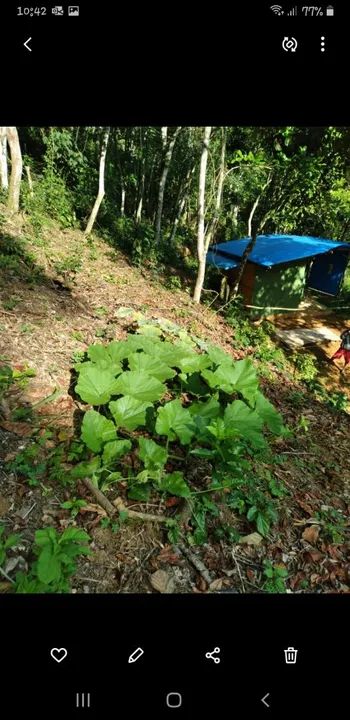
(135, 655)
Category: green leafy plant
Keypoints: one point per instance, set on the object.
(7, 543)
(275, 577)
(55, 564)
(73, 505)
(305, 366)
(333, 524)
(160, 401)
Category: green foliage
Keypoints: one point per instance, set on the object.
(275, 577)
(333, 524)
(141, 381)
(55, 564)
(7, 543)
(335, 399)
(305, 366)
(73, 505)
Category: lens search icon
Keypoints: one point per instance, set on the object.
(289, 44)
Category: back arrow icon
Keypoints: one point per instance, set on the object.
(263, 700)
(26, 44)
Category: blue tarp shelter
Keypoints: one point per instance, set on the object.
(280, 267)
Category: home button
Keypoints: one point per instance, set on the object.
(174, 700)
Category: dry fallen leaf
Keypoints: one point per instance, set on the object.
(311, 534)
(92, 507)
(167, 555)
(252, 539)
(18, 428)
(162, 582)
(216, 585)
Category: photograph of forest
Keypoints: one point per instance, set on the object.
(174, 359)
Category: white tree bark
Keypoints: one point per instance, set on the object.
(101, 184)
(201, 252)
(30, 182)
(164, 132)
(138, 215)
(218, 199)
(16, 169)
(167, 161)
(3, 159)
(122, 200)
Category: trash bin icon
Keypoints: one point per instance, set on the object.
(290, 656)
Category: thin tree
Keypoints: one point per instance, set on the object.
(16, 169)
(201, 246)
(253, 234)
(181, 200)
(3, 159)
(101, 183)
(218, 200)
(141, 189)
(163, 179)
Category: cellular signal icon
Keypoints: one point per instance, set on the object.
(277, 9)
(293, 11)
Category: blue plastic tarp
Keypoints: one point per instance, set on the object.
(220, 261)
(272, 250)
(327, 272)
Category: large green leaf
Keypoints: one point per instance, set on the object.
(139, 385)
(175, 421)
(194, 363)
(96, 386)
(149, 330)
(218, 356)
(240, 377)
(209, 409)
(118, 351)
(114, 450)
(97, 430)
(154, 456)
(129, 412)
(170, 354)
(86, 468)
(269, 414)
(151, 365)
(241, 420)
(175, 484)
(48, 566)
(244, 379)
(100, 356)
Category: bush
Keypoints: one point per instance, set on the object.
(164, 402)
(51, 197)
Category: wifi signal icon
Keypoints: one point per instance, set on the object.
(277, 9)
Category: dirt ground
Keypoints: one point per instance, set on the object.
(61, 315)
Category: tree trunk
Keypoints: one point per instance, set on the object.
(142, 182)
(3, 159)
(101, 184)
(253, 236)
(16, 169)
(218, 201)
(30, 182)
(167, 161)
(164, 132)
(122, 200)
(201, 216)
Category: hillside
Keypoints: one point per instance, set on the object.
(59, 295)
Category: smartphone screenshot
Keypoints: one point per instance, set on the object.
(174, 361)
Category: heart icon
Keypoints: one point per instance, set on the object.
(58, 654)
